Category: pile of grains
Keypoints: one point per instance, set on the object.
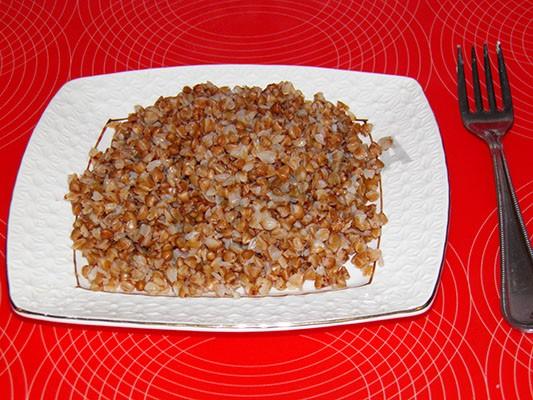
(221, 191)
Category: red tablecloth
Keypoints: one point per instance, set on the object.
(460, 349)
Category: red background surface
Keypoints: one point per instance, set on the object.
(460, 349)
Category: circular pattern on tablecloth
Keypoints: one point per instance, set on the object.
(508, 349)
(3, 240)
(14, 337)
(386, 360)
(31, 55)
(506, 21)
(34, 63)
(363, 36)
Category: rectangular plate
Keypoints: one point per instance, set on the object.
(42, 284)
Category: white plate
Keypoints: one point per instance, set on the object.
(415, 189)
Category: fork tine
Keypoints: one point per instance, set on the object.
(488, 79)
(475, 82)
(504, 81)
(461, 84)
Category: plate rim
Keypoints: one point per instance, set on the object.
(184, 326)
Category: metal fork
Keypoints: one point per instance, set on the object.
(491, 125)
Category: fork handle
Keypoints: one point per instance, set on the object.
(515, 249)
